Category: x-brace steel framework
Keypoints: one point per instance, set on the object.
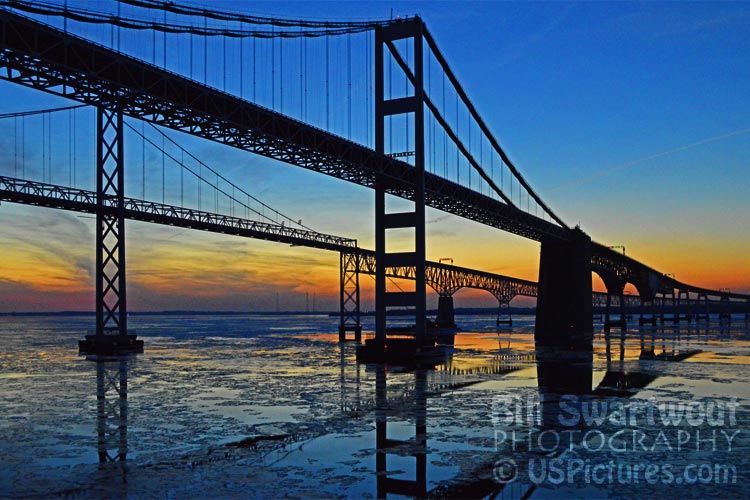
(111, 303)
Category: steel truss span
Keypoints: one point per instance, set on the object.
(44, 58)
(79, 200)
(445, 279)
(440, 276)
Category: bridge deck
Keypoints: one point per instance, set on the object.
(41, 57)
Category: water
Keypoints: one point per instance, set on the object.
(267, 406)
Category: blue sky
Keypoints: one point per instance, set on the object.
(632, 119)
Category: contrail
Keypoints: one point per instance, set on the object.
(623, 166)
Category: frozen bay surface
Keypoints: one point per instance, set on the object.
(274, 407)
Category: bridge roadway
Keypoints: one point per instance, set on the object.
(442, 277)
(39, 56)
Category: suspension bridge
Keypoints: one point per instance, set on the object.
(373, 103)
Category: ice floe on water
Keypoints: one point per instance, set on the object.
(272, 406)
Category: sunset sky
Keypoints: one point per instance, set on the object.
(630, 119)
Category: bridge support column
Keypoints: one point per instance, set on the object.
(671, 307)
(702, 306)
(504, 316)
(411, 31)
(349, 296)
(615, 286)
(647, 307)
(725, 313)
(683, 304)
(111, 304)
(446, 317)
(564, 310)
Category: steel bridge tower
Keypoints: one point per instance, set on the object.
(412, 31)
(111, 291)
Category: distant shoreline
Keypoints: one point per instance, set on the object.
(459, 311)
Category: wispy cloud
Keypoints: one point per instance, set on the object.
(637, 161)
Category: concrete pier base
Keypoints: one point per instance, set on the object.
(110, 345)
(564, 311)
(446, 317)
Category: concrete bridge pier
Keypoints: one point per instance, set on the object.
(564, 309)
(647, 304)
(615, 287)
(683, 304)
(725, 313)
(702, 307)
(621, 322)
(446, 317)
(504, 316)
(672, 308)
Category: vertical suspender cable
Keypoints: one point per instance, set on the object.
(281, 75)
(328, 114)
(153, 47)
(143, 159)
(44, 147)
(224, 61)
(23, 147)
(492, 167)
(368, 97)
(75, 152)
(458, 171)
(118, 27)
(205, 53)
(273, 72)
(254, 54)
(468, 122)
(349, 69)
(163, 180)
(15, 147)
(49, 145)
(301, 86)
(242, 42)
(165, 41)
(70, 147)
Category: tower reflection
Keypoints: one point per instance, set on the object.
(111, 407)
(411, 405)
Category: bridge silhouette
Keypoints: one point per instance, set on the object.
(410, 162)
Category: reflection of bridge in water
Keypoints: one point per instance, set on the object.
(405, 400)
(111, 407)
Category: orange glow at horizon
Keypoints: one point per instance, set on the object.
(168, 267)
